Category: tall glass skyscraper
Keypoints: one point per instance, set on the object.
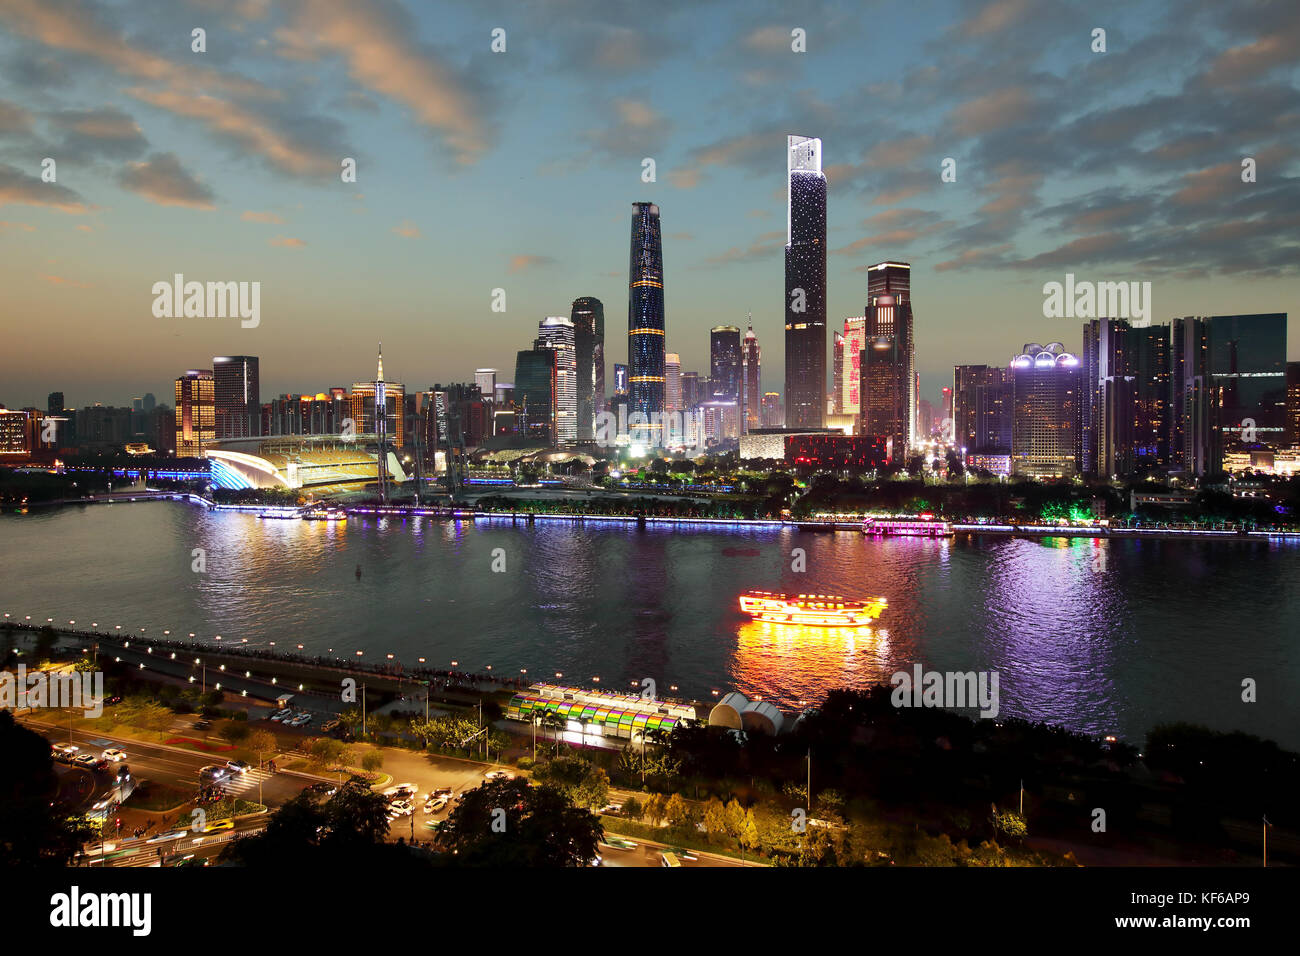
(1046, 384)
(557, 332)
(589, 344)
(751, 374)
(238, 396)
(672, 382)
(645, 315)
(724, 362)
(805, 285)
(888, 397)
(534, 393)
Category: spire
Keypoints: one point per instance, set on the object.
(381, 362)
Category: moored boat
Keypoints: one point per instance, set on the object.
(816, 610)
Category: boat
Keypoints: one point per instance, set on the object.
(816, 610)
(325, 514)
(279, 514)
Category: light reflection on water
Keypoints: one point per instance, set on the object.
(1098, 635)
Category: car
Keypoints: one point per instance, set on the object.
(302, 720)
(331, 724)
(84, 760)
(324, 789)
(123, 774)
(169, 835)
(214, 773)
(436, 804)
(400, 790)
(596, 860)
(281, 714)
(433, 825)
(442, 792)
(202, 724)
(216, 825)
(115, 699)
(101, 765)
(682, 854)
(497, 775)
(239, 766)
(619, 843)
(400, 808)
(103, 804)
(112, 753)
(612, 808)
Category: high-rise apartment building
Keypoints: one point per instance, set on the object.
(848, 366)
(1293, 404)
(805, 284)
(1190, 445)
(772, 415)
(486, 380)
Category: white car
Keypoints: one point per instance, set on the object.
(497, 775)
(282, 714)
(112, 753)
(435, 804)
(400, 790)
(401, 808)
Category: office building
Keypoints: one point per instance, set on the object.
(588, 315)
(887, 397)
(724, 363)
(557, 332)
(536, 372)
(645, 317)
(237, 397)
(1046, 384)
(195, 414)
(805, 283)
(672, 382)
(751, 384)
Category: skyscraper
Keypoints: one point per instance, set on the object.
(672, 382)
(692, 390)
(534, 393)
(805, 284)
(981, 409)
(1293, 404)
(1190, 446)
(771, 416)
(588, 316)
(1151, 381)
(1109, 408)
(888, 393)
(1248, 376)
(620, 379)
(724, 362)
(849, 361)
(486, 380)
(751, 375)
(645, 316)
(237, 395)
(195, 428)
(1046, 383)
(557, 332)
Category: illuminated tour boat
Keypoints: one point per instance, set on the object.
(817, 610)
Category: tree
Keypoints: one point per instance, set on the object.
(715, 818)
(348, 828)
(510, 823)
(372, 760)
(262, 744)
(656, 808)
(32, 833)
(678, 811)
(632, 809)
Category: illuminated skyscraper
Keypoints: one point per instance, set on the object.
(237, 396)
(620, 379)
(888, 393)
(645, 315)
(672, 382)
(195, 413)
(534, 393)
(1047, 385)
(588, 316)
(805, 284)
(724, 362)
(486, 380)
(1190, 444)
(772, 416)
(848, 360)
(751, 374)
(981, 404)
(557, 332)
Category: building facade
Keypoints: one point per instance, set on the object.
(1046, 383)
(805, 283)
(645, 315)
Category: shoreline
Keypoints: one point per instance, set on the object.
(812, 525)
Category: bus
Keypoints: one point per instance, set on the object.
(670, 859)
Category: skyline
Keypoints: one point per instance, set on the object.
(216, 168)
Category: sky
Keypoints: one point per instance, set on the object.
(480, 170)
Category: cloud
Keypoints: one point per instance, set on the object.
(286, 242)
(161, 179)
(765, 247)
(105, 132)
(14, 119)
(407, 230)
(523, 263)
(272, 218)
(771, 39)
(376, 42)
(1009, 106)
(4, 225)
(60, 280)
(19, 188)
(633, 131)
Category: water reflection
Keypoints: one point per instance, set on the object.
(790, 663)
